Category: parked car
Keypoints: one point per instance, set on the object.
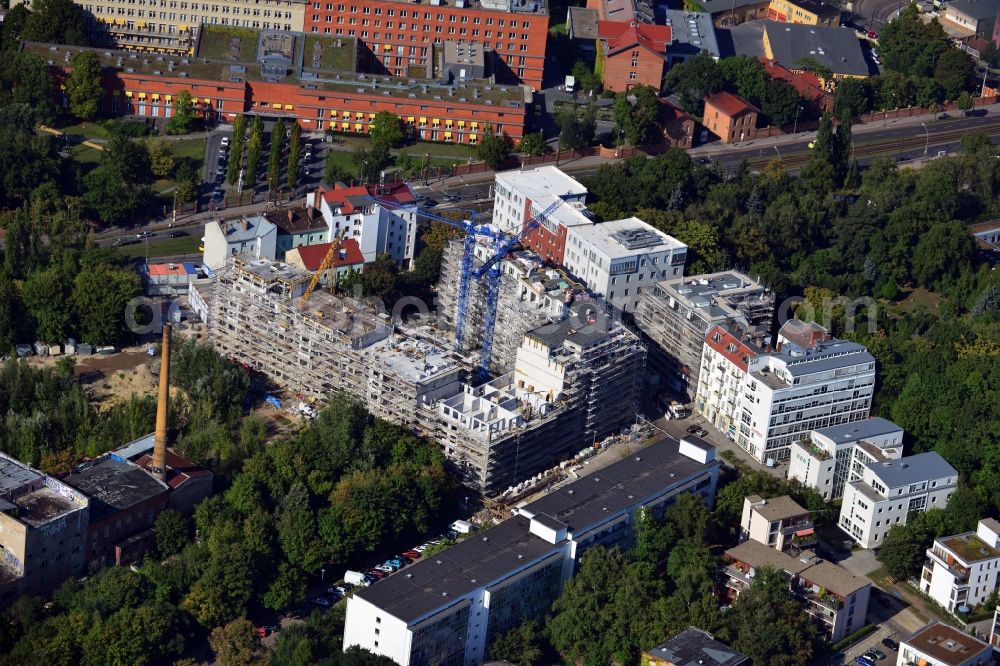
(875, 654)
(420, 549)
(862, 660)
(428, 203)
(891, 644)
(697, 431)
(452, 198)
(322, 601)
(377, 574)
(411, 554)
(385, 568)
(144, 234)
(395, 562)
(872, 34)
(178, 234)
(224, 143)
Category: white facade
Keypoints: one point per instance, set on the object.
(252, 236)
(619, 259)
(888, 491)
(938, 644)
(829, 458)
(777, 522)
(520, 195)
(377, 229)
(962, 570)
(767, 401)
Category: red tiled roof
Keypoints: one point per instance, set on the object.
(670, 112)
(340, 195)
(729, 104)
(179, 469)
(806, 83)
(349, 254)
(743, 352)
(620, 35)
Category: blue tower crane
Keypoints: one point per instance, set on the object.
(502, 244)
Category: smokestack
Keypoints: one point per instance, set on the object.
(159, 468)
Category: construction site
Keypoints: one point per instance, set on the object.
(569, 376)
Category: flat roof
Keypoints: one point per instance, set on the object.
(589, 500)
(414, 360)
(508, 6)
(432, 582)
(859, 430)
(14, 474)
(946, 645)
(711, 295)
(543, 185)
(828, 355)
(612, 238)
(114, 485)
(584, 22)
(694, 646)
(777, 508)
(694, 29)
(969, 547)
(44, 504)
(912, 469)
(492, 555)
(834, 578)
(981, 10)
(838, 48)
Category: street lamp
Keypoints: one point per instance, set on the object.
(795, 127)
(777, 151)
(322, 576)
(364, 171)
(927, 139)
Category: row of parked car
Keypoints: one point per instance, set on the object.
(394, 564)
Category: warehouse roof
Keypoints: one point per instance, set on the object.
(114, 485)
(836, 48)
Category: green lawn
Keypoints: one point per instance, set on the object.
(330, 57)
(86, 156)
(85, 130)
(193, 149)
(169, 247)
(417, 149)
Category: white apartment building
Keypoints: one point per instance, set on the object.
(889, 491)
(252, 236)
(779, 523)
(961, 570)
(381, 218)
(448, 608)
(621, 258)
(520, 195)
(765, 401)
(828, 458)
(938, 644)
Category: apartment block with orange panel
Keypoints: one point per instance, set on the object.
(401, 38)
(317, 97)
(730, 117)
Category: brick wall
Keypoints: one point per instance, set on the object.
(618, 69)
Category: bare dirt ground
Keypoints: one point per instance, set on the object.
(113, 378)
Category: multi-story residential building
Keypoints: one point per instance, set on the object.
(43, 531)
(155, 27)
(834, 597)
(781, 396)
(828, 458)
(938, 644)
(448, 608)
(519, 196)
(809, 12)
(298, 226)
(995, 629)
(961, 570)
(250, 236)
(620, 259)
(381, 218)
(243, 70)
(730, 117)
(888, 492)
(310, 258)
(778, 523)
(676, 314)
(403, 39)
(693, 646)
(633, 53)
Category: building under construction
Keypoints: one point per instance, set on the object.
(572, 380)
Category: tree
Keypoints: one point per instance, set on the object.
(493, 149)
(236, 146)
(584, 76)
(274, 158)
(100, 296)
(83, 85)
(519, 646)
(187, 180)
(379, 277)
(56, 21)
(236, 644)
(294, 148)
(182, 118)
(638, 121)
(533, 143)
(26, 79)
(45, 294)
(371, 161)
(576, 131)
(811, 64)
(288, 588)
(781, 103)
(909, 45)
(171, 528)
(693, 79)
(954, 72)
(161, 158)
(332, 170)
(964, 102)
(386, 129)
(902, 553)
(746, 76)
(13, 26)
(108, 199)
(852, 98)
(255, 147)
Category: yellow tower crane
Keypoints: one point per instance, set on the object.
(324, 266)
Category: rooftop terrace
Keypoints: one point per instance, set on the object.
(969, 547)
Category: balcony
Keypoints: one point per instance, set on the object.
(942, 559)
(828, 603)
